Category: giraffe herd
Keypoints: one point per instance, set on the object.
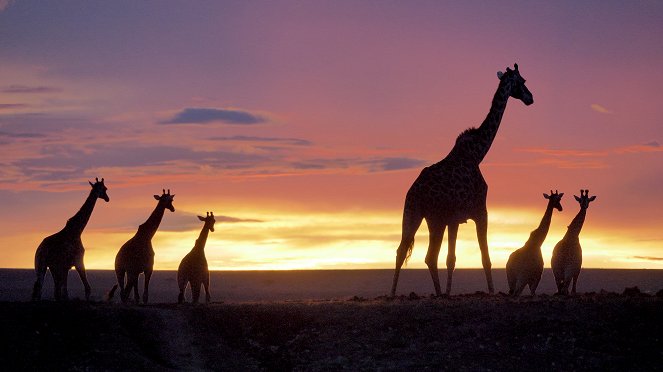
(445, 194)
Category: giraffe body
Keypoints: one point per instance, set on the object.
(63, 250)
(193, 269)
(453, 190)
(136, 256)
(566, 259)
(525, 265)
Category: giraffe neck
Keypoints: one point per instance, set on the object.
(77, 223)
(488, 129)
(202, 239)
(539, 235)
(576, 225)
(150, 226)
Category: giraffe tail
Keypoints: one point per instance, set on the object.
(111, 293)
(409, 245)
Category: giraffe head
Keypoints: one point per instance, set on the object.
(99, 189)
(209, 220)
(554, 199)
(166, 200)
(584, 199)
(518, 90)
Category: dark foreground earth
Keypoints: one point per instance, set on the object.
(603, 331)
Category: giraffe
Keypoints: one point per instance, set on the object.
(136, 256)
(193, 268)
(525, 265)
(64, 249)
(567, 254)
(453, 190)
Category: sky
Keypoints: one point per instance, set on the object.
(301, 125)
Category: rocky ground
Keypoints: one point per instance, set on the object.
(597, 331)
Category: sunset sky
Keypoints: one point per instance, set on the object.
(302, 124)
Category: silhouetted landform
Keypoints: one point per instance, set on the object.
(453, 190)
(136, 256)
(525, 265)
(258, 286)
(594, 331)
(64, 249)
(567, 255)
(193, 269)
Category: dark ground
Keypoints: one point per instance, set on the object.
(603, 331)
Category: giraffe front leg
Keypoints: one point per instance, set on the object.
(482, 236)
(206, 285)
(80, 268)
(451, 255)
(148, 275)
(436, 234)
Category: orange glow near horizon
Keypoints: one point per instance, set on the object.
(353, 241)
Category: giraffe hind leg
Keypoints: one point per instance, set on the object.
(410, 227)
(451, 255)
(436, 234)
(39, 282)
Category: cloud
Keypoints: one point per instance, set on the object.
(21, 135)
(649, 258)
(288, 141)
(212, 115)
(393, 164)
(24, 89)
(600, 109)
(652, 146)
(10, 106)
(563, 152)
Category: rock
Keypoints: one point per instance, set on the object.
(413, 296)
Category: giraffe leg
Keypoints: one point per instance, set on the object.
(482, 235)
(181, 283)
(132, 284)
(534, 285)
(436, 233)
(410, 227)
(39, 282)
(451, 255)
(206, 285)
(146, 292)
(195, 291)
(80, 268)
(575, 280)
(65, 291)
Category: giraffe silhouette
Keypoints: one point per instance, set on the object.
(136, 256)
(193, 268)
(453, 190)
(567, 254)
(525, 265)
(64, 249)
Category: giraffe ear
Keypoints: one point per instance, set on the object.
(546, 196)
(157, 197)
(500, 74)
(592, 198)
(577, 198)
(201, 218)
(90, 183)
(561, 194)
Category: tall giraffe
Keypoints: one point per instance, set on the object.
(567, 254)
(453, 190)
(136, 256)
(64, 249)
(525, 265)
(193, 268)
